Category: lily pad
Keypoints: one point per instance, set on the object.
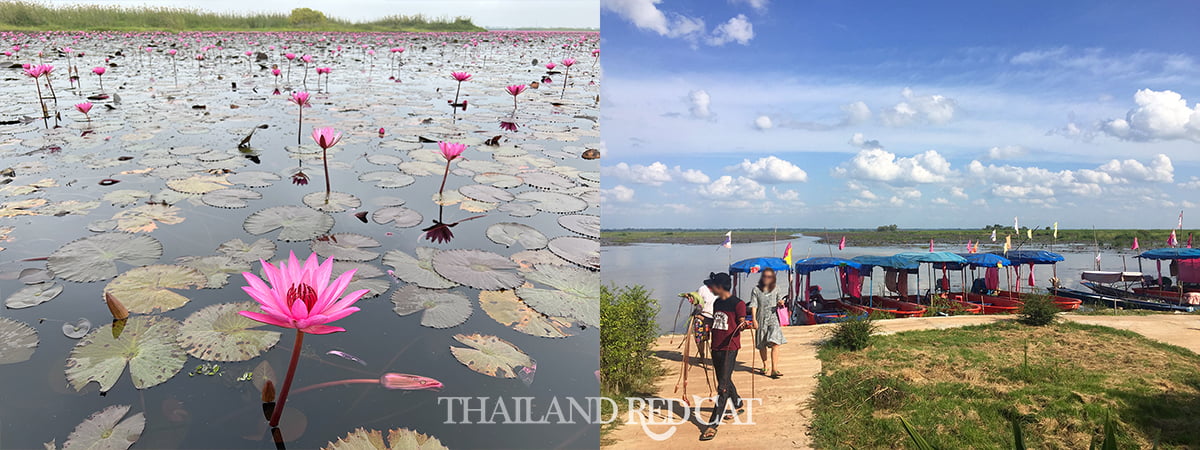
(398, 216)
(366, 276)
(105, 430)
(216, 268)
(419, 270)
(397, 439)
(478, 269)
(199, 184)
(486, 193)
(529, 258)
(548, 181)
(77, 329)
(94, 258)
(575, 293)
(219, 333)
(33, 295)
(500, 180)
(346, 247)
(254, 179)
(230, 198)
(148, 289)
(17, 341)
(510, 311)
(442, 309)
(509, 233)
(334, 202)
(145, 218)
(580, 251)
(490, 355)
(261, 249)
(584, 224)
(149, 345)
(387, 179)
(553, 202)
(296, 222)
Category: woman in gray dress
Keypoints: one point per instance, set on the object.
(764, 299)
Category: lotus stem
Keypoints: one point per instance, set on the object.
(456, 91)
(566, 77)
(444, 176)
(300, 125)
(338, 383)
(325, 162)
(287, 380)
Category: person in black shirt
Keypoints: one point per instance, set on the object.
(729, 319)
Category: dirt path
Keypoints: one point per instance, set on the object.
(781, 420)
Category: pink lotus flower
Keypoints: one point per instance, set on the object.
(381, 131)
(515, 89)
(300, 296)
(33, 71)
(551, 66)
(451, 150)
(568, 62)
(276, 71)
(98, 70)
(508, 126)
(326, 137)
(301, 98)
(460, 76)
(84, 107)
(290, 56)
(172, 52)
(300, 178)
(306, 58)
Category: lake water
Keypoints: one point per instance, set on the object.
(669, 269)
(175, 130)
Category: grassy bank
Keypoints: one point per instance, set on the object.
(31, 16)
(961, 387)
(627, 333)
(945, 239)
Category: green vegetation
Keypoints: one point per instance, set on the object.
(965, 387)
(627, 334)
(1037, 310)
(891, 235)
(852, 334)
(32, 16)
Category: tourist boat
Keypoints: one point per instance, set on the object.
(1119, 302)
(813, 309)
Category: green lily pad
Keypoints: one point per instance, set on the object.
(346, 247)
(490, 355)
(296, 222)
(510, 311)
(216, 268)
(17, 341)
(75, 207)
(419, 270)
(33, 295)
(486, 193)
(580, 251)
(442, 309)
(253, 179)
(149, 345)
(366, 276)
(387, 179)
(575, 293)
(509, 233)
(230, 198)
(334, 202)
(262, 249)
(500, 180)
(398, 216)
(145, 218)
(583, 224)
(477, 269)
(148, 289)
(398, 439)
(219, 333)
(94, 258)
(105, 430)
(125, 197)
(553, 202)
(199, 184)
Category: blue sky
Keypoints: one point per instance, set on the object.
(761, 113)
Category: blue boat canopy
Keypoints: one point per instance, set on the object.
(757, 264)
(931, 257)
(810, 265)
(871, 261)
(977, 260)
(1171, 253)
(1019, 257)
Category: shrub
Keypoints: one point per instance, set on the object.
(1038, 310)
(627, 332)
(853, 333)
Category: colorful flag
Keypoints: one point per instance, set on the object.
(728, 240)
(1016, 226)
(931, 246)
(787, 254)
(1029, 233)
(1189, 240)
(842, 244)
(1135, 244)
(993, 235)
(969, 246)
(1171, 241)
(1180, 219)
(1008, 243)
(1056, 230)
(1031, 280)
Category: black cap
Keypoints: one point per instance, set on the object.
(709, 281)
(719, 279)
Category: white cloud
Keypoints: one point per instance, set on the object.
(787, 195)
(738, 29)
(1035, 182)
(1158, 170)
(881, 165)
(618, 193)
(1006, 152)
(1159, 115)
(759, 5)
(763, 123)
(642, 13)
(770, 170)
(940, 201)
(856, 113)
(654, 174)
(933, 109)
(958, 192)
(860, 141)
(699, 101)
(728, 187)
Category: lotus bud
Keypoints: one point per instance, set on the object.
(115, 307)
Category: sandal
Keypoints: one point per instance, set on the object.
(776, 374)
(730, 415)
(759, 371)
(708, 434)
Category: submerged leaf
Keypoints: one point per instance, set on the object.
(93, 258)
(442, 309)
(149, 345)
(105, 430)
(490, 355)
(477, 269)
(33, 295)
(148, 289)
(219, 333)
(17, 341)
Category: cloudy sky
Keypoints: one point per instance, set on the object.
(762, 113)
(487, 13)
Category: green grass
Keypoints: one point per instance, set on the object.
(33, 16)
(959, 388)
(945, 239)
